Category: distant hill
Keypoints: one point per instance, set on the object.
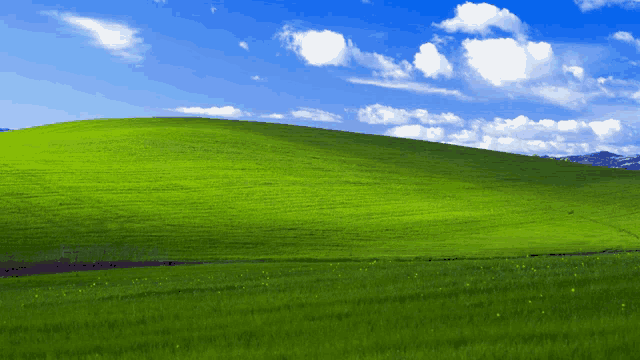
(604, 158)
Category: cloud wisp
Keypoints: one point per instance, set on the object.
(119, 39)
(588, 5)
(316, 115)
(225, 111)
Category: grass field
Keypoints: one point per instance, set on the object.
(352, 228)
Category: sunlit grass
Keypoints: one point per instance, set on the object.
(522, 308)
(349, 221)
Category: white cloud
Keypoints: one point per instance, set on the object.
(213, 10)
(330, 48)
(503, 60)
(432, 63)
(244, 45)
(366, 1)
(228, 111)
(386, 65)
(586, 5)
(524, 135)
(316, 48)
(441, 40)
(380, 114)
(416, 132)
(577, 71)
(562, 96)
(273, 116)
(519, 135)
(316, 115)
(161, 1)
(605, 128)
(623, 36)
(256, 78)
(499, 62)
(410, 86)
(444, 118)
(464, 136)
(119, 39)
(611, 80)
(477, 18)
(626, 37)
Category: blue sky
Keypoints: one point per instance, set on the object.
(547, 77)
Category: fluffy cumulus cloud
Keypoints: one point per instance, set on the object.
(244, 45)
(316, 115)
(605, 128)
(577, 71)
(118, 39)
(330, 48)
(323, 48)
(317, 48)
(555, 136)
(505, 64)
(587, 5)
(479, 18)
(417, 132)
(386, 115)
(256, 78)
(518, 135)
(501, 61)
(431, 62)
(225, 111)
(512, 66)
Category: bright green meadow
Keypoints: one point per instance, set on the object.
(374, 247)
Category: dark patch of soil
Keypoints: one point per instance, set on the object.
(591, 253)
(63, 265)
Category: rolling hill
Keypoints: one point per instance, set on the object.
(211, 189)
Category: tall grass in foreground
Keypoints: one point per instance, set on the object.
(531, 308)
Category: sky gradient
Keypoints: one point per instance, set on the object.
(550, 78)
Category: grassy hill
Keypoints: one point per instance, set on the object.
(320, 204)
(209, 189)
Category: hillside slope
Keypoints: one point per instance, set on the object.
(205, 189)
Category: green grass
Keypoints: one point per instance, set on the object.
(319, 206)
